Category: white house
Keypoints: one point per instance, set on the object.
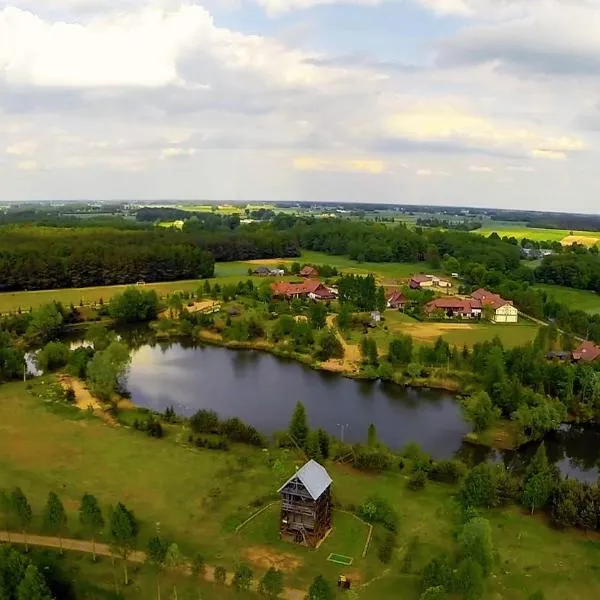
(506, 313)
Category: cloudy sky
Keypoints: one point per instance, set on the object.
(470, 102)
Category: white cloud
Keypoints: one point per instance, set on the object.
(142, 48)
(435, 121)
(25, 148)
(174, 152)
(431, 173)
(520, 169)
(548, 154)
(27, 165)
(313, 163)
(480, 169)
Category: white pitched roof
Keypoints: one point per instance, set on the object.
(314, 477)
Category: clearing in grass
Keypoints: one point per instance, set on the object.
(575, 299)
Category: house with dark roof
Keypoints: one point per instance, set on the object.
(306, 506)
(418, 282)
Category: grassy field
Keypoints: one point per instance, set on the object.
(456, 334)
(42, 450)
(574, 299)
(520, 231)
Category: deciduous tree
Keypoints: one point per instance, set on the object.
(21, 509)
(271, 585)
(55, 517)
(123, 533)
(91, 519)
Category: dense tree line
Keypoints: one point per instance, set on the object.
(576, 269)
(446, 224)
(38, 258)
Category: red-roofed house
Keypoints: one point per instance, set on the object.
(587, 352)
(504, 311)
(453, 307)
(309, 271)
(396, 300)
(314, 290)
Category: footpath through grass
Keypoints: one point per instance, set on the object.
(199, 496)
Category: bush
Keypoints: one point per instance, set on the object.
(447, 471)
(204, 421)
(271, 585)
(198, 565)
(372, 459)
(52, 356)
(378, 510)
(210, 444)
(417, 481)
(220, 575)
(438, 573)
(468, 579)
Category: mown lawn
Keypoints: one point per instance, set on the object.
(199, 496)
(574, 299)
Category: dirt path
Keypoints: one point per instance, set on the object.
(84, 399)
(352, 355)
(104, 550)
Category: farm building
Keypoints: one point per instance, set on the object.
(306, 505)
(268, 272)
(420, 281)
(309, 271)
(396, 300)
(503, 310)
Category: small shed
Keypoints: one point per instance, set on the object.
(309, 271)
(306, 505)
(376, 316)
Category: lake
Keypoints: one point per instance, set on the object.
(262, 390)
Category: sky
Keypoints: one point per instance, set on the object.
(490, 103)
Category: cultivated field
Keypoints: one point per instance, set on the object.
(520, 231)
(574, 299)
(199, 496)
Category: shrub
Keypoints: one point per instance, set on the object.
(386, 549)
(372, 459)
(447, 471)
(204, 421)
(417, 481)
(210, 444)
(468, 579)
(271, 585)
(198, 565)
(438, 573)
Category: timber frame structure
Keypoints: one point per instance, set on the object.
(306, 506)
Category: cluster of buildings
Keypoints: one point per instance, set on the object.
(454, 307)
(269, 272)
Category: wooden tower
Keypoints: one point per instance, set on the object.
(306, 505)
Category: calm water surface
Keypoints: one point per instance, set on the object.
(262, 390)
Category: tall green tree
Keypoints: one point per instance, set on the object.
(173, 560)
(372, 436)
(242, 578)
(21, 510)
(271, 585)
(124, 530)
(539, 481)
(480, 411)
(469, 579)
(91, 519)
(33, 586)
(105, 369)
(318, 315)
(6, 511)
(313, 448)
(381, 299)
(475, 542)
(55, 517)
(298, 428)
(320, 589)
(134, 306)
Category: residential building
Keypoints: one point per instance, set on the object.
(315, 290)
(453, 307)
(309, 271)
(396, 300)
(587, 352)
(268, 272)
(503, 310)
(306, 508)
